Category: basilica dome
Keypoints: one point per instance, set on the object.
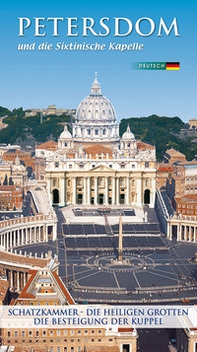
(95, 120)
(65, 134)
(128, 135)
(95, 107)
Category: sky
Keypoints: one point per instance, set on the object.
(39, 78)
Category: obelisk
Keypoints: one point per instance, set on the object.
(120, 241)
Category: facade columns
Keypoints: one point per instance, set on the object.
(7, 240)
(85, 190)
(88, 190)
(113, 191)
(95, 191)
(179, 232)
(14, 238)
(106, 191)
(139, 191)
(39, 237)
(21, 236)
(190, 234)
(74, 187)
(117, 191)
(11, 279)
(127, 191)
(169, 230)
(17, 281)
(62, 192)
(30, 235)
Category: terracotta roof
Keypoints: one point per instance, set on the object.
(174, 152)
(63, 288)
(192, 198)
(21, 259)
(50, 145)
(98, 149)
(164, 167)
(144, 146)
(29, 349)
(10, 188)
(103, 349)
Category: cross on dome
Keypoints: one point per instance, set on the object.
(96, 88)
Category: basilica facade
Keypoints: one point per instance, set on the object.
(93, 165)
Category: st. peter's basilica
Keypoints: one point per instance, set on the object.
(93, 165)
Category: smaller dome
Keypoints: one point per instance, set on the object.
(128, 135)
(65, 134)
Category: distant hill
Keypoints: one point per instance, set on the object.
(161, 131)
(20, 128)
(4, 111)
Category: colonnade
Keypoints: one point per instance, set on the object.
(182, 230)
(24, 231)
(17, 278)
(23, 236)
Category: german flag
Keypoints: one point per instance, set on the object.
(172, 65)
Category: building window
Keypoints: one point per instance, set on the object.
(23, 333)
(96, 132)
(56, 164)
(146, 164)
(89, 131)
(70, 166)
(15, 333)
(37, 333)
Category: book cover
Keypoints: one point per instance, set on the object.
(142, 57)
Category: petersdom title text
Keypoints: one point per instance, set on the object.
(88, 27)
